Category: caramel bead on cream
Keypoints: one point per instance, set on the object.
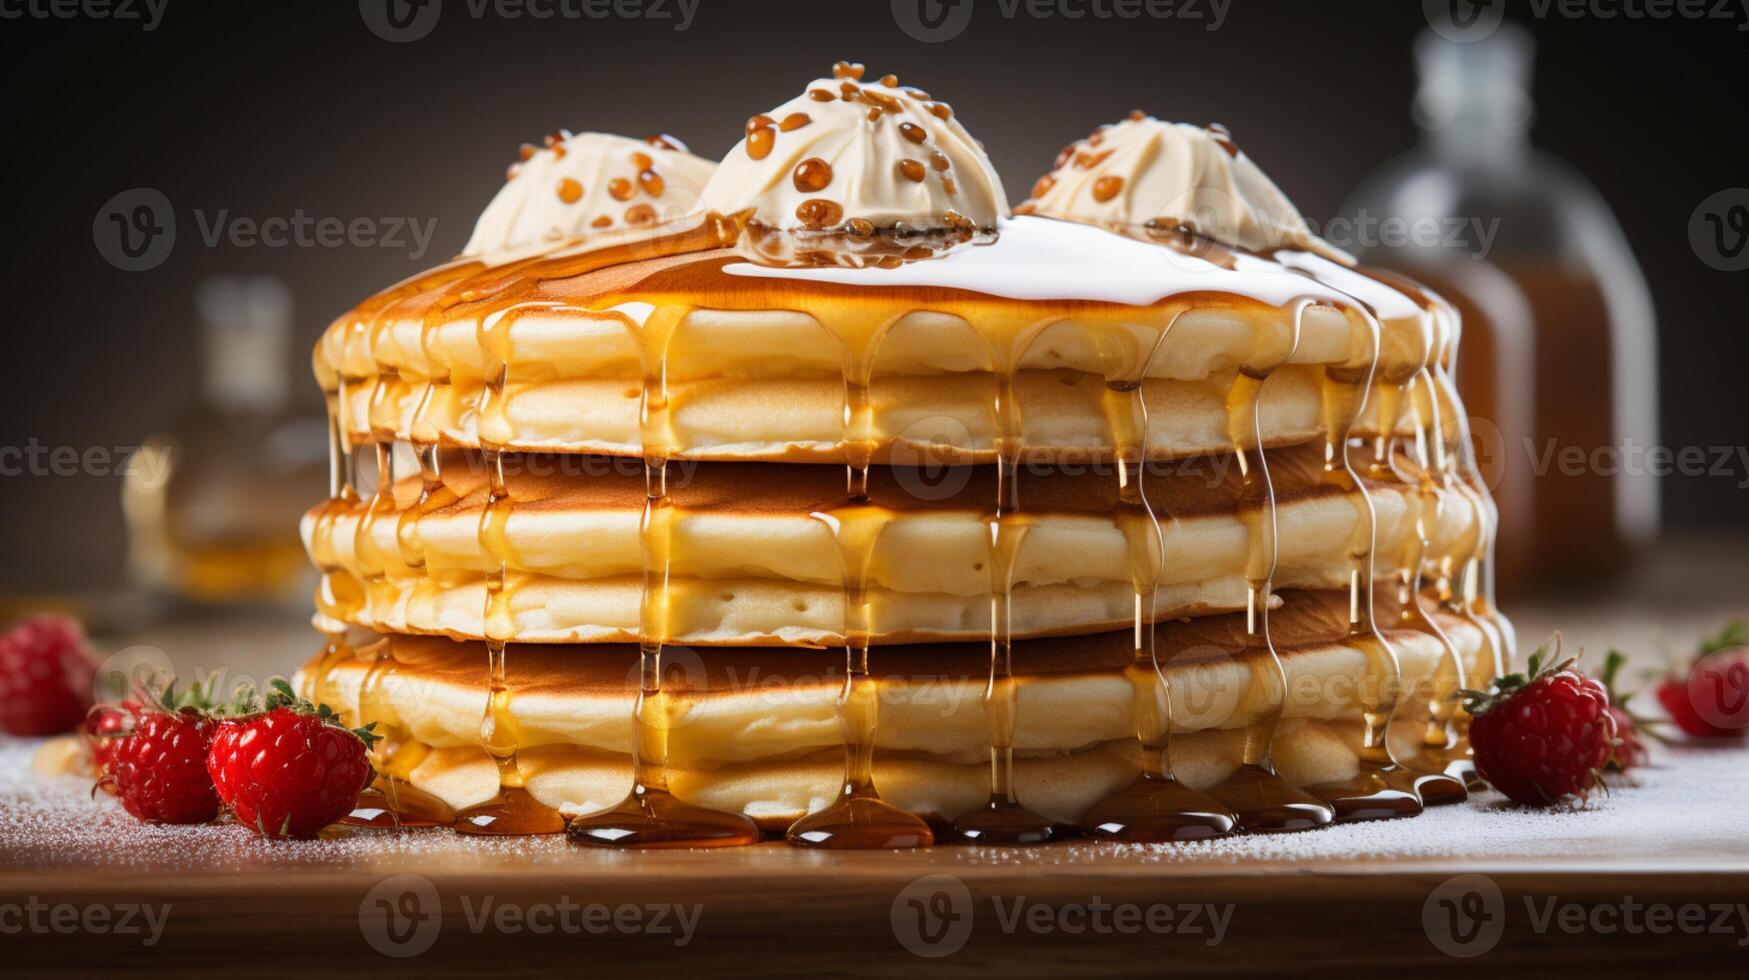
(876, 154)
(577, 185)
(1147, 175)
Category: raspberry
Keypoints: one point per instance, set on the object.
(290, 770)
(1543, 739)
(45, 677)
(104, 725)
(1712, 699)
(159, 770)
(1630, 751)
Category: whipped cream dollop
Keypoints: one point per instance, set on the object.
(851, 156)
(1147, 174)
(587, 184)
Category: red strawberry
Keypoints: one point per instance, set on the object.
(292, 769)
(1712, 699)
(45, 676)
(1542, 739)
(158, 769)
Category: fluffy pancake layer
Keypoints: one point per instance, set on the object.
(753, 559)
(754, 367)
(758, 728)
(801, 420)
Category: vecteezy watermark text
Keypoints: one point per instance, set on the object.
(1632, 459)
(679, 923)
(150, 465)
(402, 916)
(37, 917)
(933, 917)
(1473, 20)
(934, 21)
(136, 230)
(1466, 916)
(147, 13)
(402, 21)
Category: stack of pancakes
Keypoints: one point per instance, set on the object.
(1063, 491)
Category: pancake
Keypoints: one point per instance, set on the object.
(759, 724)
(775, 794)
(755, 360)
(752, 565)
(801, 420)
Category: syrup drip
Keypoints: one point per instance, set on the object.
(1387, 466)
(1445, 748)
(1426, 450)
(859, 818)
(1262, 800)
(1380, 789)
(1467, 591)
(651, 816)
(1446, 756)
(1476, 576)
(338, 594)
(426, 438)
(390, 803)
(514, 810)
(1156, 807)
(1002, 820)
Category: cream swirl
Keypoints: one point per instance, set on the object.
(859, 157)
(586, 184)
(1143, 173)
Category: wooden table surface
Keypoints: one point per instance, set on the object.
(1653, 877)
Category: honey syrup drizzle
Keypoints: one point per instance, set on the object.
(514, 810)
(1380, 789)
(488, 294)
(1445, 740)
(1155, 807)
(1396, 393)
(651, 816)
(1002, 820)
(1262, 800)
(858, 818)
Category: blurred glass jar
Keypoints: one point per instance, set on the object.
(1558, 361)
(213, 500)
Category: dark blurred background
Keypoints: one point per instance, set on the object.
(275, 107)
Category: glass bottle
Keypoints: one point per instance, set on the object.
(1557, 365)
(213, 500)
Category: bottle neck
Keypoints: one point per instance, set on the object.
(245, 367)
(1480, 142)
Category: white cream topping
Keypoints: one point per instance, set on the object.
(589, 184)
(1143, 172)
(845, 152)
(1039, 259)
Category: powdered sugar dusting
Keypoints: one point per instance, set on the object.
(1685, 812)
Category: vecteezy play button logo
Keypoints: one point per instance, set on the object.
(135, 230)
(401, 916)
(932, 916)
(1719, 230)
(400, 21)
(1464, 916)
(932, 21)
(1464, 20)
